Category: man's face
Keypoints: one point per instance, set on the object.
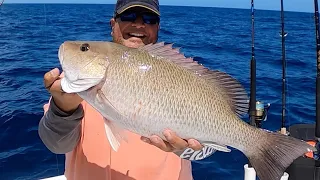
(134, 33)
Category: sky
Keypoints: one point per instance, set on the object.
(289, 5)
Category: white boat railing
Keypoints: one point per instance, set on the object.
(62, 177)
(250, 174)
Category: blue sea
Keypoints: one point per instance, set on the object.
(219, 38)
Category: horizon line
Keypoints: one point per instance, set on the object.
(174, 5)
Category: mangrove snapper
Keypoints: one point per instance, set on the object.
(155, 87)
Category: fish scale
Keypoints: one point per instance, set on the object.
(155, 87)
(197, 92)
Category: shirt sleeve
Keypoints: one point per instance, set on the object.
(60, 131)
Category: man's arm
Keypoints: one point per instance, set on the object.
(60, 131)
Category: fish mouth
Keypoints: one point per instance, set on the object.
(60, 52)
(67, 74)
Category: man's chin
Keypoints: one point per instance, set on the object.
(134, 42)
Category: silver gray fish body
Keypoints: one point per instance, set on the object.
(153, 88)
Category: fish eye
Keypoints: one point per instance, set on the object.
(84, 47)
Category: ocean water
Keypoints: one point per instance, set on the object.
(219, 38)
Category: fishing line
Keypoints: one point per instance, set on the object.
(46, 57)
(284, 67)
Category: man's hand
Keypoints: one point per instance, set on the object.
(173, 143)
(66, 102)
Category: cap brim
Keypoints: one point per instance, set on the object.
(137, 4)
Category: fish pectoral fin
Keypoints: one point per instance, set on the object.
(115, 134)
(216, 146)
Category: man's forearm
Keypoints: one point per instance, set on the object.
(60, 131)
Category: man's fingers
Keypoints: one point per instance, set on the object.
(56, 86)
(194, 144)
(62, 75)
(145, 139)
(45, 107)
(158, 142)
(174, 140)
(50, 77)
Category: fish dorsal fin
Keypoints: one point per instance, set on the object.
(235, 92)
(174, 55)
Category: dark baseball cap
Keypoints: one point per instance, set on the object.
(123, 5)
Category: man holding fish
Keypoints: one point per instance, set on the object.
(112, 93)
(73, 127)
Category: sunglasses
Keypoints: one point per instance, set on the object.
(148, 17)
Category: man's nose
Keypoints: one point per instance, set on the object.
(138, 23)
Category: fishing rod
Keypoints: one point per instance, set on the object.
(252, 105)
(258, 111)
(317, 130)
(317, 126)
(284, 65)
(307, 167)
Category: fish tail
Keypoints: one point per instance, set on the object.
(274, 153)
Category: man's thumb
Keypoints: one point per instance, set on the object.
(50, 77)
(55, 72)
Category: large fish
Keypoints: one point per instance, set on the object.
(155, 87)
